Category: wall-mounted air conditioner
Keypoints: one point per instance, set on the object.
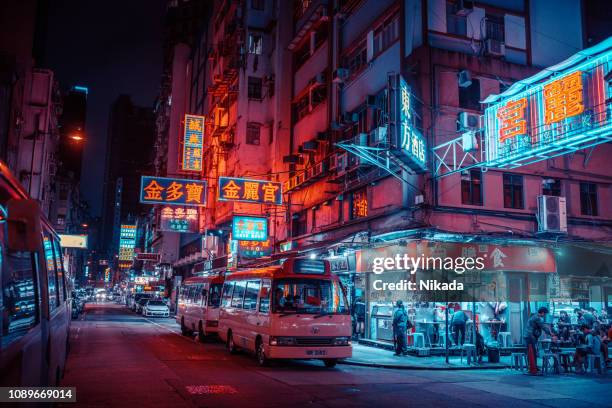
(469, 121)
(495, 47)
(552, 214)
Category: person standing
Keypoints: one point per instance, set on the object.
(533, 331)
(458, 323)
(400, 325)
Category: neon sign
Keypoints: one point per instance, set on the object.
(193, 143)
(127, 242)
(172, 191)
(557, 114)
(411, 145)
(254, 249)
(179, 219)
(247, 228)
(250, 191)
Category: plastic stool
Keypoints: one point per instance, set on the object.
(417, 338)
(470, 352)
(504, 339)
(547, 358)
(442, 339)
(519, 361)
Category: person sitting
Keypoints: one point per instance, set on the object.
(564, 324)
(592, 345)
(605, 340)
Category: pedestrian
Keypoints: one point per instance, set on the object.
(360, 312)
(458, 323)
(400, 325)
(533, 331)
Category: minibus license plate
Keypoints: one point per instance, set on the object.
(316, 352)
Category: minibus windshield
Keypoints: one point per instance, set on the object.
(310, 296)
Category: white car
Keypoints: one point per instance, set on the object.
(156, 308)
(101, 296)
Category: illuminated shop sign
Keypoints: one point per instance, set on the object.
(193, 143)
(564, 112)
(410, 145)
(250, 191)
(148, 256)
(127, 242)
(172, 191)
(48, 254)
(247, 228)
(287, 246)
(179, 219)
(73, 241)
(254, 249)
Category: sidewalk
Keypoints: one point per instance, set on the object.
(377, 357)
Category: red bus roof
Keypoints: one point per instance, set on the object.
(284, 271)
(204, 279)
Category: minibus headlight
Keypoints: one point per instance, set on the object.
(282, 341)
(342, 341)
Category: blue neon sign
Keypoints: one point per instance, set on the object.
(248, 228)
(411, 144)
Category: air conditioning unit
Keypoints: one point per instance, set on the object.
(340, 75)
(361, 139)
(495, 47)
(469, 143)
(464, 78)
(468, 120)
(379, 136)
(552, 214)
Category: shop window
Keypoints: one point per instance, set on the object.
(253, 133)
(255, 43)
(359, 204)
(258, 4)
(588, 199)
(469, 96)
(386, 35)
(551, 187)
(300, 223)
(455, 24)
(19, 299)
(254, 88)
(513, 191)
(471, 187)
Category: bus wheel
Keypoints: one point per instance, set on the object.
(231, 346)
(184, 330)
(201, 334)
(262, 359)
(330, 362)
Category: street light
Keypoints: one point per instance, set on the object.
(77, 136)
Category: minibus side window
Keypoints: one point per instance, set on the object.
(228, 288)
(238, 295)
(59, 267)
(214, 295)
(264, 296)
(250, 296)
(204, 294)
(51, 278)
(19, 308)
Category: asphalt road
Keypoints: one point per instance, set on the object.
(120, 359)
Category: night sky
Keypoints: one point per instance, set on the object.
(112, 47)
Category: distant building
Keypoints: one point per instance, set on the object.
(128, 156)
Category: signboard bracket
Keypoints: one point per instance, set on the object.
(379, 157)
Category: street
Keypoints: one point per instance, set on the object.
(118, 358)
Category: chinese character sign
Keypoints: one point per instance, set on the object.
(179, 219)
(551, 117)
(127, 242)
(250, 191)
(246, 228)
(171, 191)
(412, 144)
(360, 204)
(193, 143)
(254, 249)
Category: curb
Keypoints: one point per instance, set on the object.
(420, 368)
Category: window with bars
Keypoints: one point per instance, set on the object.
(253, 134)
(588, 199)
(513, 191)
(254, 88)
(471, 187)
(255, 43)
(495, 27)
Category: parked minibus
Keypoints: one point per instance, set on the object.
(198, 305)
(294, 311)
(35, 304)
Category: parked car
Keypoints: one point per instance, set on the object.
(136, 298)
(156, 308)
(140, 304)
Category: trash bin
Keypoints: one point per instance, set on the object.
(493, 354)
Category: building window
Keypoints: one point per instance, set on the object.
(455, 24)
(307, 102)
(356, 60)
(61, 219)
(386, 34)
(513, 191)
(551, 187)
(254, 88)
(359, 204)
(588, 198)
(469, 96)
(299, 224)
(253, 133)
(495, 27)
(258, 4)
(471, 187)
(255, 43)
(301, 55)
